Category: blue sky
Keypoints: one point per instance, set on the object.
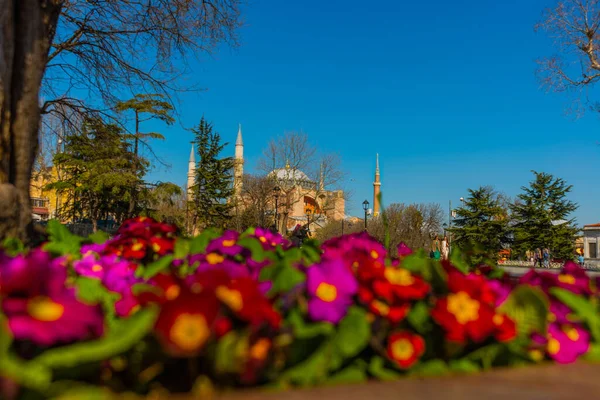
(444, 91)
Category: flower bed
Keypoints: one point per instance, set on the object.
(148, 312)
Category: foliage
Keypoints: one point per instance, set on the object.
(213, 182)
(542, 217)
(482, 225)
(149, 311)
(98, 173)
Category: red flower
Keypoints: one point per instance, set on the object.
(464, 317)
(161, 245)
(394, 313)
(245, 299)
(184, 324)
(405, 348)
(257, 358)
(506, 329)
(401, 284)
(222, 327)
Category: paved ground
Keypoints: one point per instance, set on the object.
(519, 271)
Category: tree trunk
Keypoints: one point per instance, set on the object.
(26, 32)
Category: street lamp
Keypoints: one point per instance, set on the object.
(276, 191)
(366, 208)
(308, 213)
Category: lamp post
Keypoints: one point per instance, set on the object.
(276, 191)
(366, 208)
(308, 213)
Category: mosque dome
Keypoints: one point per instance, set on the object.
(287, 174)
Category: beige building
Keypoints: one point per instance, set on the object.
(299, 200)
(591, 241)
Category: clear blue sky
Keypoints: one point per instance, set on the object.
(444, 91)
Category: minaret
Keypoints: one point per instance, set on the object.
(376, 189)
(191, 176)
(238, 163)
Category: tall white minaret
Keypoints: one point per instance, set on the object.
(191, 176)
(376, 188)
(238, 163)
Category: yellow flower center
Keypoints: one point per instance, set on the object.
(355, 264)
(96, 268)
(262, 239)
(553, 346)
(463, 307)
(260, 349)
(196, 287)
(572, 334)
(399, 277)
(137, 246)
(374, 254)
(189, 332)
(156, 247)
(402, 350)
(536, 355)
(172, 292)
(228, 243)
(214, 258)
(498, 319)
(232, 298)
(382, 308)
(44, 309)
(564, 278)
(326, 292)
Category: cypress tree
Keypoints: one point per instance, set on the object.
(541, 215)
(481, 225)
(213, 186)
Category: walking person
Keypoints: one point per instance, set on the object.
(435, 248)
(546, 258)
(581, 260)
(537, 258)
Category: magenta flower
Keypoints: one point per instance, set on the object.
(38, 305)
(215, 261)
(501, 289)
(270, 240)
(404, 250)
(93, 248)
(544, 280)
(331, 287)
(226, 244)
(120, 277)
(566, 342)
(354, 250)
(93, 266)
(573, 278)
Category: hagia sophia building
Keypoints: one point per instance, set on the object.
(300, 200)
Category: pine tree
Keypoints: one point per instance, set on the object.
(213, 187)
(482, 224)
(541, 215)
(99, 173)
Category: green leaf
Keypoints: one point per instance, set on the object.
(156, 267)
(82, 392)
(311, 371)
(352, 336)
(13, 246)
(486, 355)
(583, 308)
(98, 237)
(378, 370)
(305, 330)
(417, 263)
(253, 244)
(198, 244)
(285, 277)
(311, 252)
(463, 365)
(58, 232)
(126, 334)
(61, 240)
(458, 261)
(429, 368)
(230, 353)
(419, 317)
(181, 248)
(528, 307)
(593, 353)
(352, 374)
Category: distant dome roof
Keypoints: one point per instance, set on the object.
(286, 174)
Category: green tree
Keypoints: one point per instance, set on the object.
(99, 173)
(213, 187)
(145, 108)
(482, 225)
(541, 214)
(166, 202)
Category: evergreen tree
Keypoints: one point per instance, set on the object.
(213, 187)
(482, 225)
(99, 173)
(541, 215)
